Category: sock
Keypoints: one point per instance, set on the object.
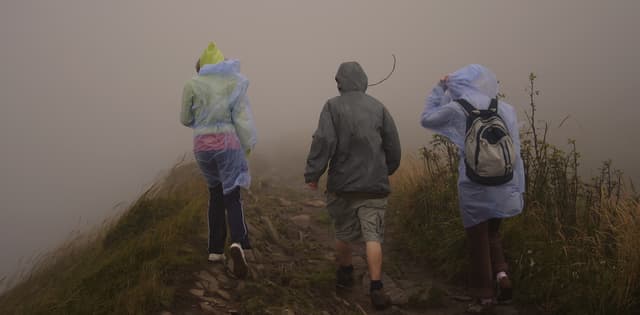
(501, 275)
(376, 285)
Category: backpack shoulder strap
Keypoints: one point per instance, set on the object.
(467, 107)
(494, 105)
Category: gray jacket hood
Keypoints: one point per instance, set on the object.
(351, 77)
(356, 139)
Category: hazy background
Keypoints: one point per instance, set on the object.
(90, 90)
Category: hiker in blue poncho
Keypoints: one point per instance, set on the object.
(215, 105)
(463, 107)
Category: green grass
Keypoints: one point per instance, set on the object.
(133, 266)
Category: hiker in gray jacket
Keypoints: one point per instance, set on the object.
(357, 137)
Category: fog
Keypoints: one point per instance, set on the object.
(90, 90)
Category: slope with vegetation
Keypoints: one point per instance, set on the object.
(133, 266)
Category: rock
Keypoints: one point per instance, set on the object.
(200, 285)
(234, 312)
(210, 282)
(287, 311)
(215, 270)
(166, 313)
(432, 297)
(462, 298)
(437, 297)
(254, 230)
(330, 256)
(284, 202)
(206, 307)
(302, 221)
(220, 276)
(317, 203)
(213, 300)
(398, 296)
(251, 255)
(197, 292)
(223, 294)
(228, 286)
(291, 233)
(273, 233)
(252, 275)
(505, 310)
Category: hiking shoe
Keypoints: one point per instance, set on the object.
(379, 299)
(480, 307)
(216, 258)
(504, 290)
(240, 267)
(344, 278)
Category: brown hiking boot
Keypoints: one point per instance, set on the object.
(379, 299)
(505, 291)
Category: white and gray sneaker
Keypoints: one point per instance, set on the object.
(216, 258)
(240, 267)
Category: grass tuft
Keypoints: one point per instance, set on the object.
(132, 266)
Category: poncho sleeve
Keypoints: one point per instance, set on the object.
(243, 117)
(443, 117)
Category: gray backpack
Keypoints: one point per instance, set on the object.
(488, 147)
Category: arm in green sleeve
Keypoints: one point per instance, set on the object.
(186, 114)
(243, 121)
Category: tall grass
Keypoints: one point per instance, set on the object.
(575, 249)
(131, 266)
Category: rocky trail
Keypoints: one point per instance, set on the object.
(292, 269)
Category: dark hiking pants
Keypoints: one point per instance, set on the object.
(220, 207)
(487, 257)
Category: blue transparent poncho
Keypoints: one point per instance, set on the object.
(477, 85)
(215, 105)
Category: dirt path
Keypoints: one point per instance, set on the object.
(293, 269)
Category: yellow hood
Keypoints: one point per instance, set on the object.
(211, 55)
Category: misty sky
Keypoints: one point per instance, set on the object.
(90, 90)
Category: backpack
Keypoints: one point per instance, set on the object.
(488, 146)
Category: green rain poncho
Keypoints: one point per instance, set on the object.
(215, 105)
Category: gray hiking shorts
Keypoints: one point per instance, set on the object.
(357, 218)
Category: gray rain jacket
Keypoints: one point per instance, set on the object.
(357, 136)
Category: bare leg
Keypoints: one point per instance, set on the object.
(374, 260)
(495, 246)
(343, 253)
